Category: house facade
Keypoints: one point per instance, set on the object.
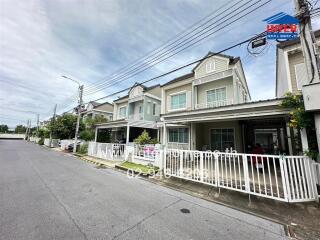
(139, 110)
(208, 109)
(94, 109)
(292, 76)
(211, 109)
(291, 73)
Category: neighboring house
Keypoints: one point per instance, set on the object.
(291, 68)
(292, 76)
(210, 109)
(135, 112)
(94, 109)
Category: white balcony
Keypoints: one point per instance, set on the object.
(214, 104)
(136, 116)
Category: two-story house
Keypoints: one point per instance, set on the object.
(98, 109)
(291, 76)
(210, 109)
(137, 111)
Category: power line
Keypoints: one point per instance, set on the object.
(134, 71)
(186, 65)
(184, 33)
(192, 40)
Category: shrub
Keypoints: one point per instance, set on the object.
(41, 141)
(83, 149)
(144, 138)
(87, 135)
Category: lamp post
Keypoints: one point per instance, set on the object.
(80, 89)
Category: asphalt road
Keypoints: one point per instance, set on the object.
(48, 195)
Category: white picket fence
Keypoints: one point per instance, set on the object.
(284, 178)
(108, 151)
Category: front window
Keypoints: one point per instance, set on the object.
(210, 66)
(178, 101)
(122, 112)
(178, 135)
(222, 139)
(154, 109)
(216, 97)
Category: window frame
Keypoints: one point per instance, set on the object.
(154, 105)
(210, 66)
(177, 94)
(125, 112)
(234, 137)
(177, 129)
(215, 89)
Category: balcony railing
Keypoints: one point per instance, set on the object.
(136, 116)
(214, 104)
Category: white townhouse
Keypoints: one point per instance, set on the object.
(98, 109)
(210, 109)
(139, 110)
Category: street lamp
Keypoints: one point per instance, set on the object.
(79, 111)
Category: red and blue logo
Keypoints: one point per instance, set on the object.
(282, 27)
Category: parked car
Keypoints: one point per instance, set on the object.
(70, 146)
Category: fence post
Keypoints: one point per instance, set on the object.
(285, 178)
(181, 163)
(201, 166)
(164, 160)
(216, 168)
(246, 173)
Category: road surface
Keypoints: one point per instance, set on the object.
(47, 195)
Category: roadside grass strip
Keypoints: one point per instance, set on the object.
(138, 168)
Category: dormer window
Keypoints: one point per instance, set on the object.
(210, 66)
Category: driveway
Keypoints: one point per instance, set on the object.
(47, 195)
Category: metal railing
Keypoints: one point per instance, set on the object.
(148, 152)
(108, 151)
(214, 104)
(136, 116)
(284, 178)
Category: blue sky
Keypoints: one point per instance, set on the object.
(89, 40)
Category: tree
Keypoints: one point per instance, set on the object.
(20, 129)
(64, 127)
(4, 128)
(89, 133)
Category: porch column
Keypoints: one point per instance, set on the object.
(304, 140)
(289, 138)
(195, 96)
(164, 134)
(128, 133)
(96, 134)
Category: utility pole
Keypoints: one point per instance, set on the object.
(78, 119)
(308, 41)
(52, 120)
(311, 89)
(80, 89)
(27, 128)
(38, 124)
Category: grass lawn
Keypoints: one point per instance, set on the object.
(139, 167)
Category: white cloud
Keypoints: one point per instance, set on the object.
(88, 40)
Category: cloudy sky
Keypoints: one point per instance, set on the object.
(41, 40)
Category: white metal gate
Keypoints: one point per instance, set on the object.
(284, 178)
